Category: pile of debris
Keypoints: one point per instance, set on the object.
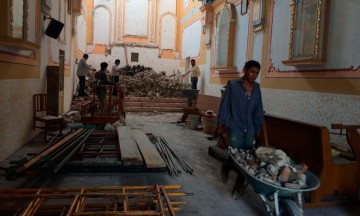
(272, 166)
(153, 85)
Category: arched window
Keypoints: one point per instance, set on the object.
(224, 38)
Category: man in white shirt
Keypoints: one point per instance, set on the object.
(194, 74)
(115, 72)
(82, 71)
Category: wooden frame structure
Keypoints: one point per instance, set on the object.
(119, 200)
(108, 111)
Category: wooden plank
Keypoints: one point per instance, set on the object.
(130, 153)
(48, 151)
(151, 156)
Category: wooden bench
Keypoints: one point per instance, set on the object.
(310, 144)
(201, 105)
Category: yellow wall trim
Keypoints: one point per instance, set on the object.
(18, 71)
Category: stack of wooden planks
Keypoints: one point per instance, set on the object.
(135, 148)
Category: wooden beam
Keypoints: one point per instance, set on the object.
(151, 156)
(129, 151)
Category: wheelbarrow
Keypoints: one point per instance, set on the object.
(283, 198)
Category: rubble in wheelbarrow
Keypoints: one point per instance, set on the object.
(272, 166)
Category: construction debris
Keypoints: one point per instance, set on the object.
(153, 85)
(272, 166)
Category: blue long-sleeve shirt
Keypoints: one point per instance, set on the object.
(240, 112)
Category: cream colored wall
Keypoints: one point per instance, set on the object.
(22, 77)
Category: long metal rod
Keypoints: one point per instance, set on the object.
(67, 158)
(180, 159)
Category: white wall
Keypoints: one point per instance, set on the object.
(101, 26)
(168, 32)
(191, 40)
(81, 33)
(137, 15)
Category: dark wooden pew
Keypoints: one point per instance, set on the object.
(310, 144)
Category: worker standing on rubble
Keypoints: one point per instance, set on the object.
(82, 71)
(194, 74)
(115, 72)
(241, 111)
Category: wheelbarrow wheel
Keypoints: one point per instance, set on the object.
(288, 207)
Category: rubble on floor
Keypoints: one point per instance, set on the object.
(153, 85)
(272, 166)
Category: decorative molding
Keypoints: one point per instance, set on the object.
(316, 55)
(61, 2)
(120, 24)
(31, 56)
(152, 21)
(272, 71)
(11, 6)
(26, 20)
(161, 26)
(292, 28)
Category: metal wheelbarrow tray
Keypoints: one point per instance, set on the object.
(282, 197)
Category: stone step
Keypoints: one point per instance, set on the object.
(145, 104)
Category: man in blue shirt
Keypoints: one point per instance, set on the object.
(241, 110)
(241, 113)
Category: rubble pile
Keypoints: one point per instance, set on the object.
(153, 85)
(272, 166)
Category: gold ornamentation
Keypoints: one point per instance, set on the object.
(317, 34)
(26, 20)
(11, 30)
(292, 28)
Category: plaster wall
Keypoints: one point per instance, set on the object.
(31, 18)
(107, 5)
(241, 38)
(168, 32)
(138, 24)
(147, 57)
(101, 26)
(81, 33)
(191, 40)
(166, 6)
(28, 72)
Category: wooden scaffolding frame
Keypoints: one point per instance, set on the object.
(119, 200)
